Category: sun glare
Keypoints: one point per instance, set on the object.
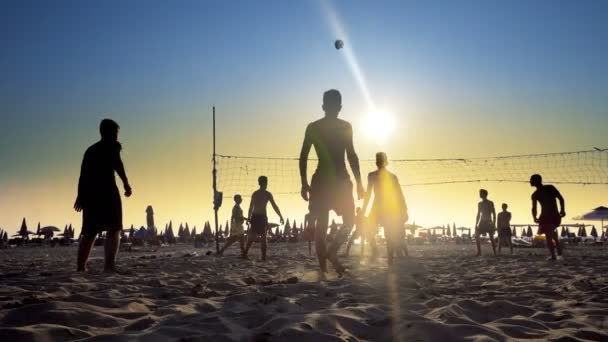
(378, 125)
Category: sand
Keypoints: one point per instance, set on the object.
(179, 293)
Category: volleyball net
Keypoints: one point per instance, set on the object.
(239, 174)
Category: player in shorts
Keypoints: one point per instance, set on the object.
(550, 217)
(330, 187)
(237, 233)
(504, 228)
(485, 222)
(258, 219)
(389, 209)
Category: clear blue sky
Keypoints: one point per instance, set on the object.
(155, 66)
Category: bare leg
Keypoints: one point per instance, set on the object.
(84, 250)
(229, 242)
(510, 245)
(309, 247)
(478, 242)
(493, 243)
(549, 240)
(352, 239)
(264, 247)
(250, 240)
(111, 250)
(500, 242)
(339, 239)
(557, 245)
(242, 243)
(320, 236)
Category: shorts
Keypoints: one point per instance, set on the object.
(384, 218)
(485, 227)
(331, 193)
(548, 224)
(103, 213)
(236, 230)
(259, 223)
(504, 232)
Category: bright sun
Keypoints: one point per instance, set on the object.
(378, 125)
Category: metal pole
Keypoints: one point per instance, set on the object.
(215, 205)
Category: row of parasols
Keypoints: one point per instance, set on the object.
(47, 231)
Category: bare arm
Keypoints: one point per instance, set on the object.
(275, 207)
(368, 193)
(562, 203)
(534, 209)
(250, 208)
(353, 160)
(120, 169)
(306, 145)
(493, 214)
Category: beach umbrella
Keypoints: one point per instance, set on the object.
(49, 229)
(598, 214)
(180, 231)
(193, 235)
(38, 229)
(583, 232)
(5, 237)
(140, 234)
(563, 234)
(227, 228)
(287, 229)
(579, 232)
(449, 231)
(514, 233)
(530, 232)
(23, 232)
(186, 232)
(593, 232)
(454, 229)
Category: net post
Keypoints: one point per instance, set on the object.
(217, 201)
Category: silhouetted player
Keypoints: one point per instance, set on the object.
(504, 228)
(550, 218)
(258, 219)
(237, 232)
(389, 209)
(98, 197)
(330, 188)
(485, 222)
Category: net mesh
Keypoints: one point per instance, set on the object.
(240, 174)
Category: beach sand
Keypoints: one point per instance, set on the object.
(441, 293)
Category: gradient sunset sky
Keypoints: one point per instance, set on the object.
(462, 78)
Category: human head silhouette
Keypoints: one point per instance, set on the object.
(332, 103)
(483, 193)
(263, 182)
(505, 206)
(536, 180)
(109, 130)
(381, 160)
(238, 199)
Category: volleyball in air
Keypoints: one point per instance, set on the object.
(338, 44)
